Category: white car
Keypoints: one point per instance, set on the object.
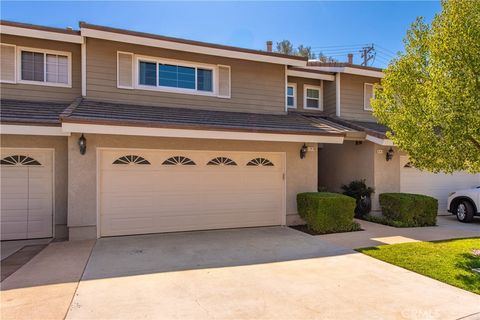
(465, 204)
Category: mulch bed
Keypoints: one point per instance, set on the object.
(304, 228)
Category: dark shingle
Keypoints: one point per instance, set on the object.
(30, 112)
(157, 116)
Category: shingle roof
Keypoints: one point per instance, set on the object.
(96, 112)
(371, 128)
(30, 112)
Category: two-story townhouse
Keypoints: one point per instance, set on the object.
(113, 132)
(372, 156)
(158, 134)
(40, 77)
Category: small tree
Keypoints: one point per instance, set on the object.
(324, 58)
(430, 95)
(286, 47)
(306, 52)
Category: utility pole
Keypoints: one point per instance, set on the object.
(368, 53)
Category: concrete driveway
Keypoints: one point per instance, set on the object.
(256, 273)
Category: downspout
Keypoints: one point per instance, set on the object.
(84, 66)
(337, 94)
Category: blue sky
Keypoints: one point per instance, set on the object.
(334, 27)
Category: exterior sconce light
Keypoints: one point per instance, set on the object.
(303, 151)
(82, 144)
(389, 154)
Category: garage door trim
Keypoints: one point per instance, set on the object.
(99, 151)
(52, 151)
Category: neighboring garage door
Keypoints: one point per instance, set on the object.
(437, 185)
(27, 193)
(148, 191)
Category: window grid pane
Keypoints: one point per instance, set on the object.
(290, 91)
(176, 76)
(148, 73)
(313, 93)
(204, 80)
(52, 68)
(290, 101)
(32, 66)
(312, 103)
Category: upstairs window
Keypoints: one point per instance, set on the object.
(291, 93)
(44, 67)
(368, 94)
(312, 98)
(175, 77)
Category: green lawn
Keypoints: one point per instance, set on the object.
(449, 261)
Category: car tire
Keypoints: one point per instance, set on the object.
(464, 211)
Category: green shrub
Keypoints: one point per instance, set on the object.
(409, 210)
(326, 212)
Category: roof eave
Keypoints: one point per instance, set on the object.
(40, 32)
(152, 40)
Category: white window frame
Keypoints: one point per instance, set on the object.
(320, 96)
(182, 63)
(14, 63)
(294, 85)
(365, 107)
(45, 52)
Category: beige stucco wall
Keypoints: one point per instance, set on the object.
(387, 173)
(340, 164)
(41, 92)
(301, 174)
(255, 86)
(61, 173)
(351, 97)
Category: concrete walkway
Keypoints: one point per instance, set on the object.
(256, 273)
(44, 287)
(374, 234)
(7, 248)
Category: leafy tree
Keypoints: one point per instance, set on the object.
(324, 58)
(430, 95)
(306, 52)
(286, 47)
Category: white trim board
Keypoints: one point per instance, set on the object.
(41, 34)
(114, 36)
(198, 134)
(379, 141)
(337, 95)
(32, 130)
(352, 70)
(310, 75)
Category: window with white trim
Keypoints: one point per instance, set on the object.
(312, 97)
(175, 76)
(44, 67)
(291, 94)
(368, 93)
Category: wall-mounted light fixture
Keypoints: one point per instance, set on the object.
(82, 144)
(303, 151)
(389, 155)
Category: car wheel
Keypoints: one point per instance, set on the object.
(464, 211)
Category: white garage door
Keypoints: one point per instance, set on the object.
(27, 193)
(148, 191)
(436, 185)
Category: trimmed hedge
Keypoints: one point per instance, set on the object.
(326, 212)
(409, 210)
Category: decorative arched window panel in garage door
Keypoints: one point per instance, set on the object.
(221, 161)
(178, 160)
(260, 162)
(131, 159)
(16, 160)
